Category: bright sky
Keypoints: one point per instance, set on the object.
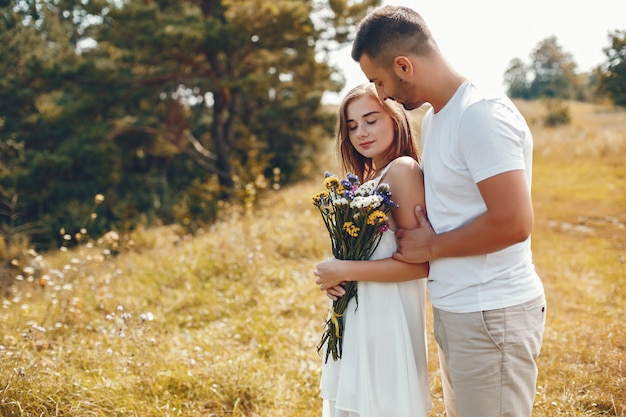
(481, 37)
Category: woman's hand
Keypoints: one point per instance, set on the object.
(331, 273)
(334, 293)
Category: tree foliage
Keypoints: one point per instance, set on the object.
(163, 106)
(550, 74)
(612, 76)
(516, 77)
(554, 71)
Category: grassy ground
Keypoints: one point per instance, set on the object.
(579, 245)
(225, 323)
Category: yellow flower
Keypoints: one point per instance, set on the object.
(351, 229)
(376, 218)
(319, 197)
(331, 183)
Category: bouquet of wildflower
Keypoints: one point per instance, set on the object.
(355, 216)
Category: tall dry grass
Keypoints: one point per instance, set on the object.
(579, 245)
(225, 323)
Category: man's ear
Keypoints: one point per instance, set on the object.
(403, 67)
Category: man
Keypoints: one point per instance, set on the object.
(488, 301)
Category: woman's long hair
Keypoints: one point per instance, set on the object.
(404, 136)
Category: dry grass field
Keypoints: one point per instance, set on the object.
(225, 323)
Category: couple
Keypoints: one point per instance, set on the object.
(473, 249)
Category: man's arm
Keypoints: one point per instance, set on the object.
(507, 220)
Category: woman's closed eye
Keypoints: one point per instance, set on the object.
(354, 126)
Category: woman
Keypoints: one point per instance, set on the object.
(383, 369)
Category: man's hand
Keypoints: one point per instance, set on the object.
(414, 245)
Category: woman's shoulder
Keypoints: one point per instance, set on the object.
(402, 171)
(403, 165)
(405, 161)
(406, 183)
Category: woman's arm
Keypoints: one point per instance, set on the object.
(406, 183)
(333, 272)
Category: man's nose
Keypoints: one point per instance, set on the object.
(381, 93)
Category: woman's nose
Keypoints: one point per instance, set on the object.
(361, 131)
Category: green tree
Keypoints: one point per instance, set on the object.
(554, 71)
(612, 74)
(152, 101)
(37, 45)
(224, 80)
(516, 79)
(550, 74)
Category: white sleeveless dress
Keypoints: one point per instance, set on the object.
(383, 371)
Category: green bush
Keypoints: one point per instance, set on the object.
(558, 113)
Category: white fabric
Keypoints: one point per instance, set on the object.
(384, 369)
(471, 139)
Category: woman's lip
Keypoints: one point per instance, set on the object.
(366, 144)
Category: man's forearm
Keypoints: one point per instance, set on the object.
(485, 234)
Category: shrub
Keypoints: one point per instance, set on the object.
(558, 113)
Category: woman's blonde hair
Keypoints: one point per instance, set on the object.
(404, 136)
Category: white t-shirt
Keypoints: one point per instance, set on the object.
(469, 140)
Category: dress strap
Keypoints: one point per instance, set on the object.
(383, 172)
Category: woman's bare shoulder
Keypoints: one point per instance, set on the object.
(406, 183)
(402, 166)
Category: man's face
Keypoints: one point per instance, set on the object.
(389, 85)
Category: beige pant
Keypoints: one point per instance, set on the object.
(488, 359)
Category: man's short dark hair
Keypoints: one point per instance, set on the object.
(392, 31)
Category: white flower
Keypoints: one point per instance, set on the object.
(368, 202)
(340, 202)
(365, 188)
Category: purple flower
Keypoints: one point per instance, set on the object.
(353, 179)
(383, 191)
